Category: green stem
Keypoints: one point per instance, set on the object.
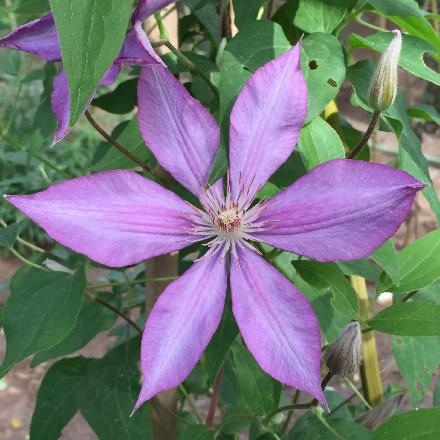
(323, 420)
(191, 66)
(119, 313)
(34, 154)
(22, 241)
(133, 282)
(357, 392)
(290, 413)
(115, 143)
(160, 25)
(26, 261)
(191, 403)
(363, 142)
(369, 25)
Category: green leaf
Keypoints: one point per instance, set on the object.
(236, 419)
(246, 11)
(386, 257)
(221, 342)
(419, 264)
(56, 399)
(93, 318)
(31, 7)
(109, 392)
(318, 143)
(411, 55)
(120, 100)
(411, 157)
(408, 319)
(422, 424)
(436, 397)
(417, 358)
(408, 15)
(257, 390)
(323, 65)
(327, 276)
(425, 112)
(131, 139)
(309, 427)
(40, 312)
(363, 268)
(196, 432)
(91, 34)
(320, 16)
(9, 234)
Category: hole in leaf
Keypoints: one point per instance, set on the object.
(419, 386)
(398, 341)
(313, 65)
(332, 82)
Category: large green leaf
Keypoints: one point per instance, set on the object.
(320, 16)
(419, 264)
(196, 432)
(40, 312)
(91, 34)
(411, 157)
(423, 424)
(93, 318)
(327, 276)
(221, 342)
(408, 15)
(318, 143)
(9, 234)
(31, 6)
(417, 357)
(323, 65)
(411, 56)
(386, 257)
(56, 399)
(121, 100)
(246, 11)
(258, 391)
(109, 392)
(409, 319)
(131, 139)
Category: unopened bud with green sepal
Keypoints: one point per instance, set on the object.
(383, 85)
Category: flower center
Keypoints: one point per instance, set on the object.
(228, 220)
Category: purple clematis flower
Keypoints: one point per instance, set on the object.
(40, 37)
(341, 210)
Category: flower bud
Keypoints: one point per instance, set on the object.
(383, 85)
(344, 355)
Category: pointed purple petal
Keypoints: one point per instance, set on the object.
(38, 37)
(342, 210)
(180, 325)
(266, 120)
(146, 8)
(277, 323)
(180, 132)
(137, 49)
(60, 100)
(116, 218)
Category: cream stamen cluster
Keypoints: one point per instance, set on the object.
(227, 222)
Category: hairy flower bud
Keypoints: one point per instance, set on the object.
(344, 355)
(383, 85)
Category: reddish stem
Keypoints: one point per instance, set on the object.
(214, 397)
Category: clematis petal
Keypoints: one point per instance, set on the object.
(180, 132)
(60, 99)
(38, 37)
(265, 121)
(146, 8)
(277, 323)
(116, 218)
(341, 210)
(137, 49)
(180, 325)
